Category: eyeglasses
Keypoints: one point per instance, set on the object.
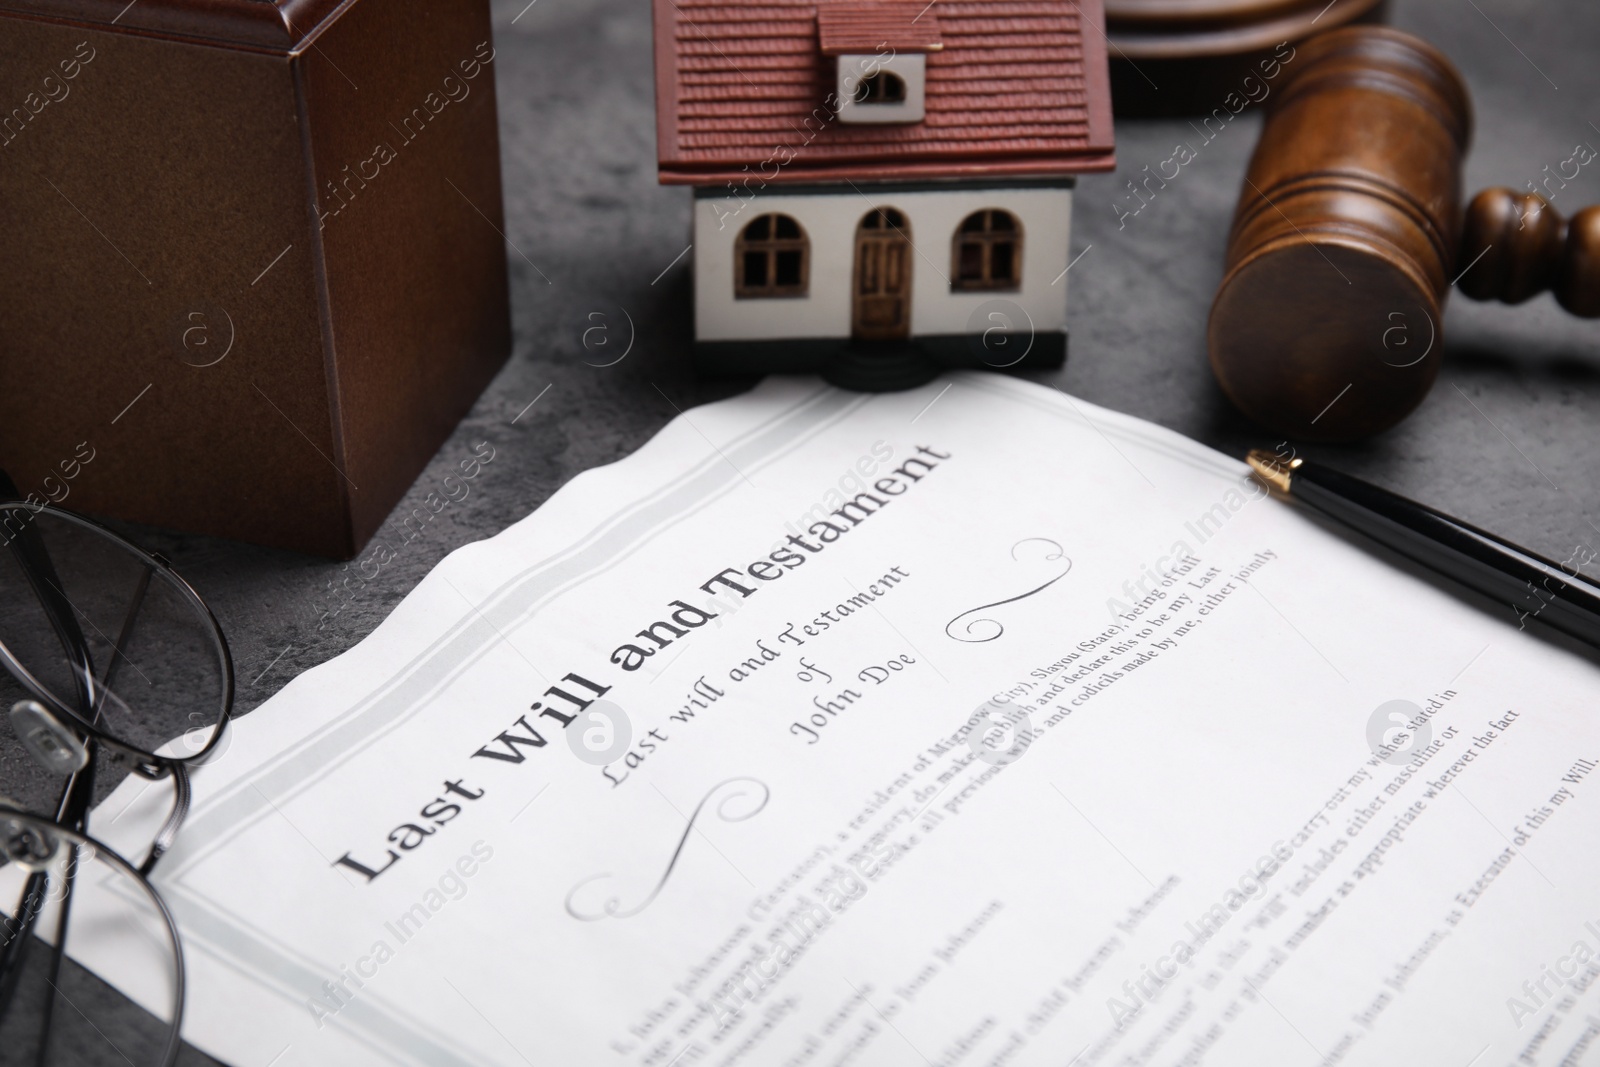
(109, 652)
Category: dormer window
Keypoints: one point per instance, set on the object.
(880, 49)
(882, 87)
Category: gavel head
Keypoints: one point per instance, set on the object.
(1327, 323)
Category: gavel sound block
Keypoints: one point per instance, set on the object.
(1349, 233)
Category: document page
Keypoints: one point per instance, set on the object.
(970, 725)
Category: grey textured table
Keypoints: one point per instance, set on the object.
(1508, 439)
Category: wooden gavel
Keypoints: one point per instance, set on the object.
(1349, 234)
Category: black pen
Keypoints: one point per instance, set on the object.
(1557, 595)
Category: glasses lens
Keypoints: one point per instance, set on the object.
(94, 627)
(53, 1012)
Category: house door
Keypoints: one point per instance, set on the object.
(881, 310)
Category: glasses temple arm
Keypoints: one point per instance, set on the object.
(18, 930)
(71, 808)
(34, 559)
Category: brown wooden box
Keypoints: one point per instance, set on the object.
(252, 256)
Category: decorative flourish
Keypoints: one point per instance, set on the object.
(612, 906)
(978, 630)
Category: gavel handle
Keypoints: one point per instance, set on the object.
(1514, 246)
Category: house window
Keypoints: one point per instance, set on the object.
(882, 87)
(771, 258)
(988, 251)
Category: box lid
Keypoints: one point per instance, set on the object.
(269, 25)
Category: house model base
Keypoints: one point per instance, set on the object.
(882, 190)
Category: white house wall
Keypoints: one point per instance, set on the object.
(830, 220)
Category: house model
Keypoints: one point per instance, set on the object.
(881, 189)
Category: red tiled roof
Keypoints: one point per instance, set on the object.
(1018, 89)
(868, 28)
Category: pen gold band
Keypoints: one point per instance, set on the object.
(1272, 470)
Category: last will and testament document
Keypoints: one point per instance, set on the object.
(971, 725)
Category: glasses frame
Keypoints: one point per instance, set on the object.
(14, 949)
(34, 559)
(70, 823)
